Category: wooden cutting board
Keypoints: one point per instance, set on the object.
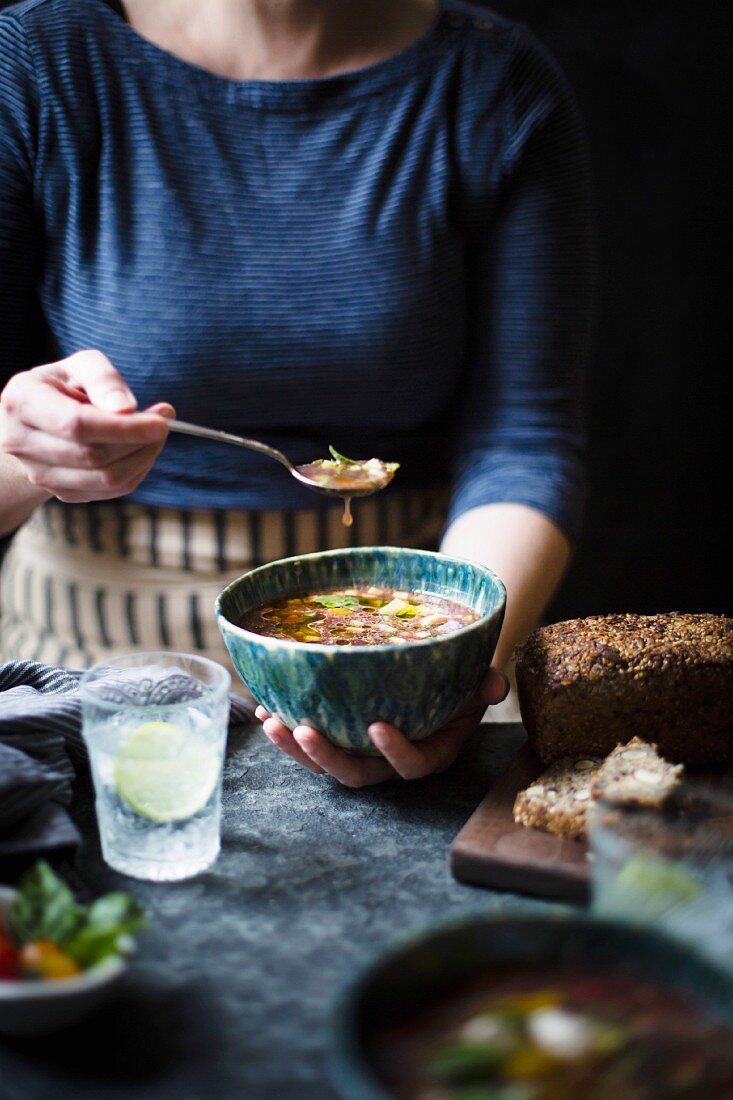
(492, 850)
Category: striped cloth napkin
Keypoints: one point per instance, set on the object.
(40, 740)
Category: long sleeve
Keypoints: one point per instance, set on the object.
(521, 433)
(310, 280)
(19, 230)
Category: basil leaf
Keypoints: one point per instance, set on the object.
(464, 1063)
(107, 919)
(335, 601)
(115, 910)
(44, 908)
(92, 945)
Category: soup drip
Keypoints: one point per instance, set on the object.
(348, 477)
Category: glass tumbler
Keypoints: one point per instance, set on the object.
(155, 725)
(671, 867)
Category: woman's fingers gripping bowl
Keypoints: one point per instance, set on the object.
(350, 770)
(283, 739)
(417, 759)
(434, 754)
(313, 751)
(494, 688)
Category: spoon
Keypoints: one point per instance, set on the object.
(329, 476)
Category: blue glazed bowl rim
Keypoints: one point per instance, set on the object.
(349, 1069)
(382, 647)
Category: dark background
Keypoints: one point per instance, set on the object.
(650, 79)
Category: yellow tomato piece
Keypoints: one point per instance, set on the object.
(526, 1002)
(528, 1063)
(46, 960)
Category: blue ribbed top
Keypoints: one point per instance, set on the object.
(395, 260)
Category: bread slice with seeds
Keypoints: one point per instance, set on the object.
(636, 775)
(558, 800)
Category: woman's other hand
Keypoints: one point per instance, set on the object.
(400, 757)
(62, 423)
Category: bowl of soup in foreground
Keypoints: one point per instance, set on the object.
(534, 1008)
(343, 638)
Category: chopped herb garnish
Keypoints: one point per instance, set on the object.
(342, 458)
(335, 601)
(399, 607)
(463, 1063)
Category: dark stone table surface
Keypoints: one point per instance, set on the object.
(230, 992)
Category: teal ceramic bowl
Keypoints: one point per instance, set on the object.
(339, 690)
(407, 980)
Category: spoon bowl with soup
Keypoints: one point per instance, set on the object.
(335, 476)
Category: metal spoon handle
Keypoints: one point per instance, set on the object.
(226, 437)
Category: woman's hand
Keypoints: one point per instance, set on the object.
(62, 423)
(400, 757)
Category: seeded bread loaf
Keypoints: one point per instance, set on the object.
(558, 800)
(635, 775)
(587, 685)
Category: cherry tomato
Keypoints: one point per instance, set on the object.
(9, 962)
(45, 959)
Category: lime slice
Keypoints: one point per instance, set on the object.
(166, 773)
(658, 884)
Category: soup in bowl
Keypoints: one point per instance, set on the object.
(343, 638)
(520, 1007)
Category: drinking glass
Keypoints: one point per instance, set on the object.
(672, 866)
(155, 725)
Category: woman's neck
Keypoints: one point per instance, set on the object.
(281, 39)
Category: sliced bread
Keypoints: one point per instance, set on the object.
(636, 775)
(558, 800)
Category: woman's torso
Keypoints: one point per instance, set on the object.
(285, 259)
